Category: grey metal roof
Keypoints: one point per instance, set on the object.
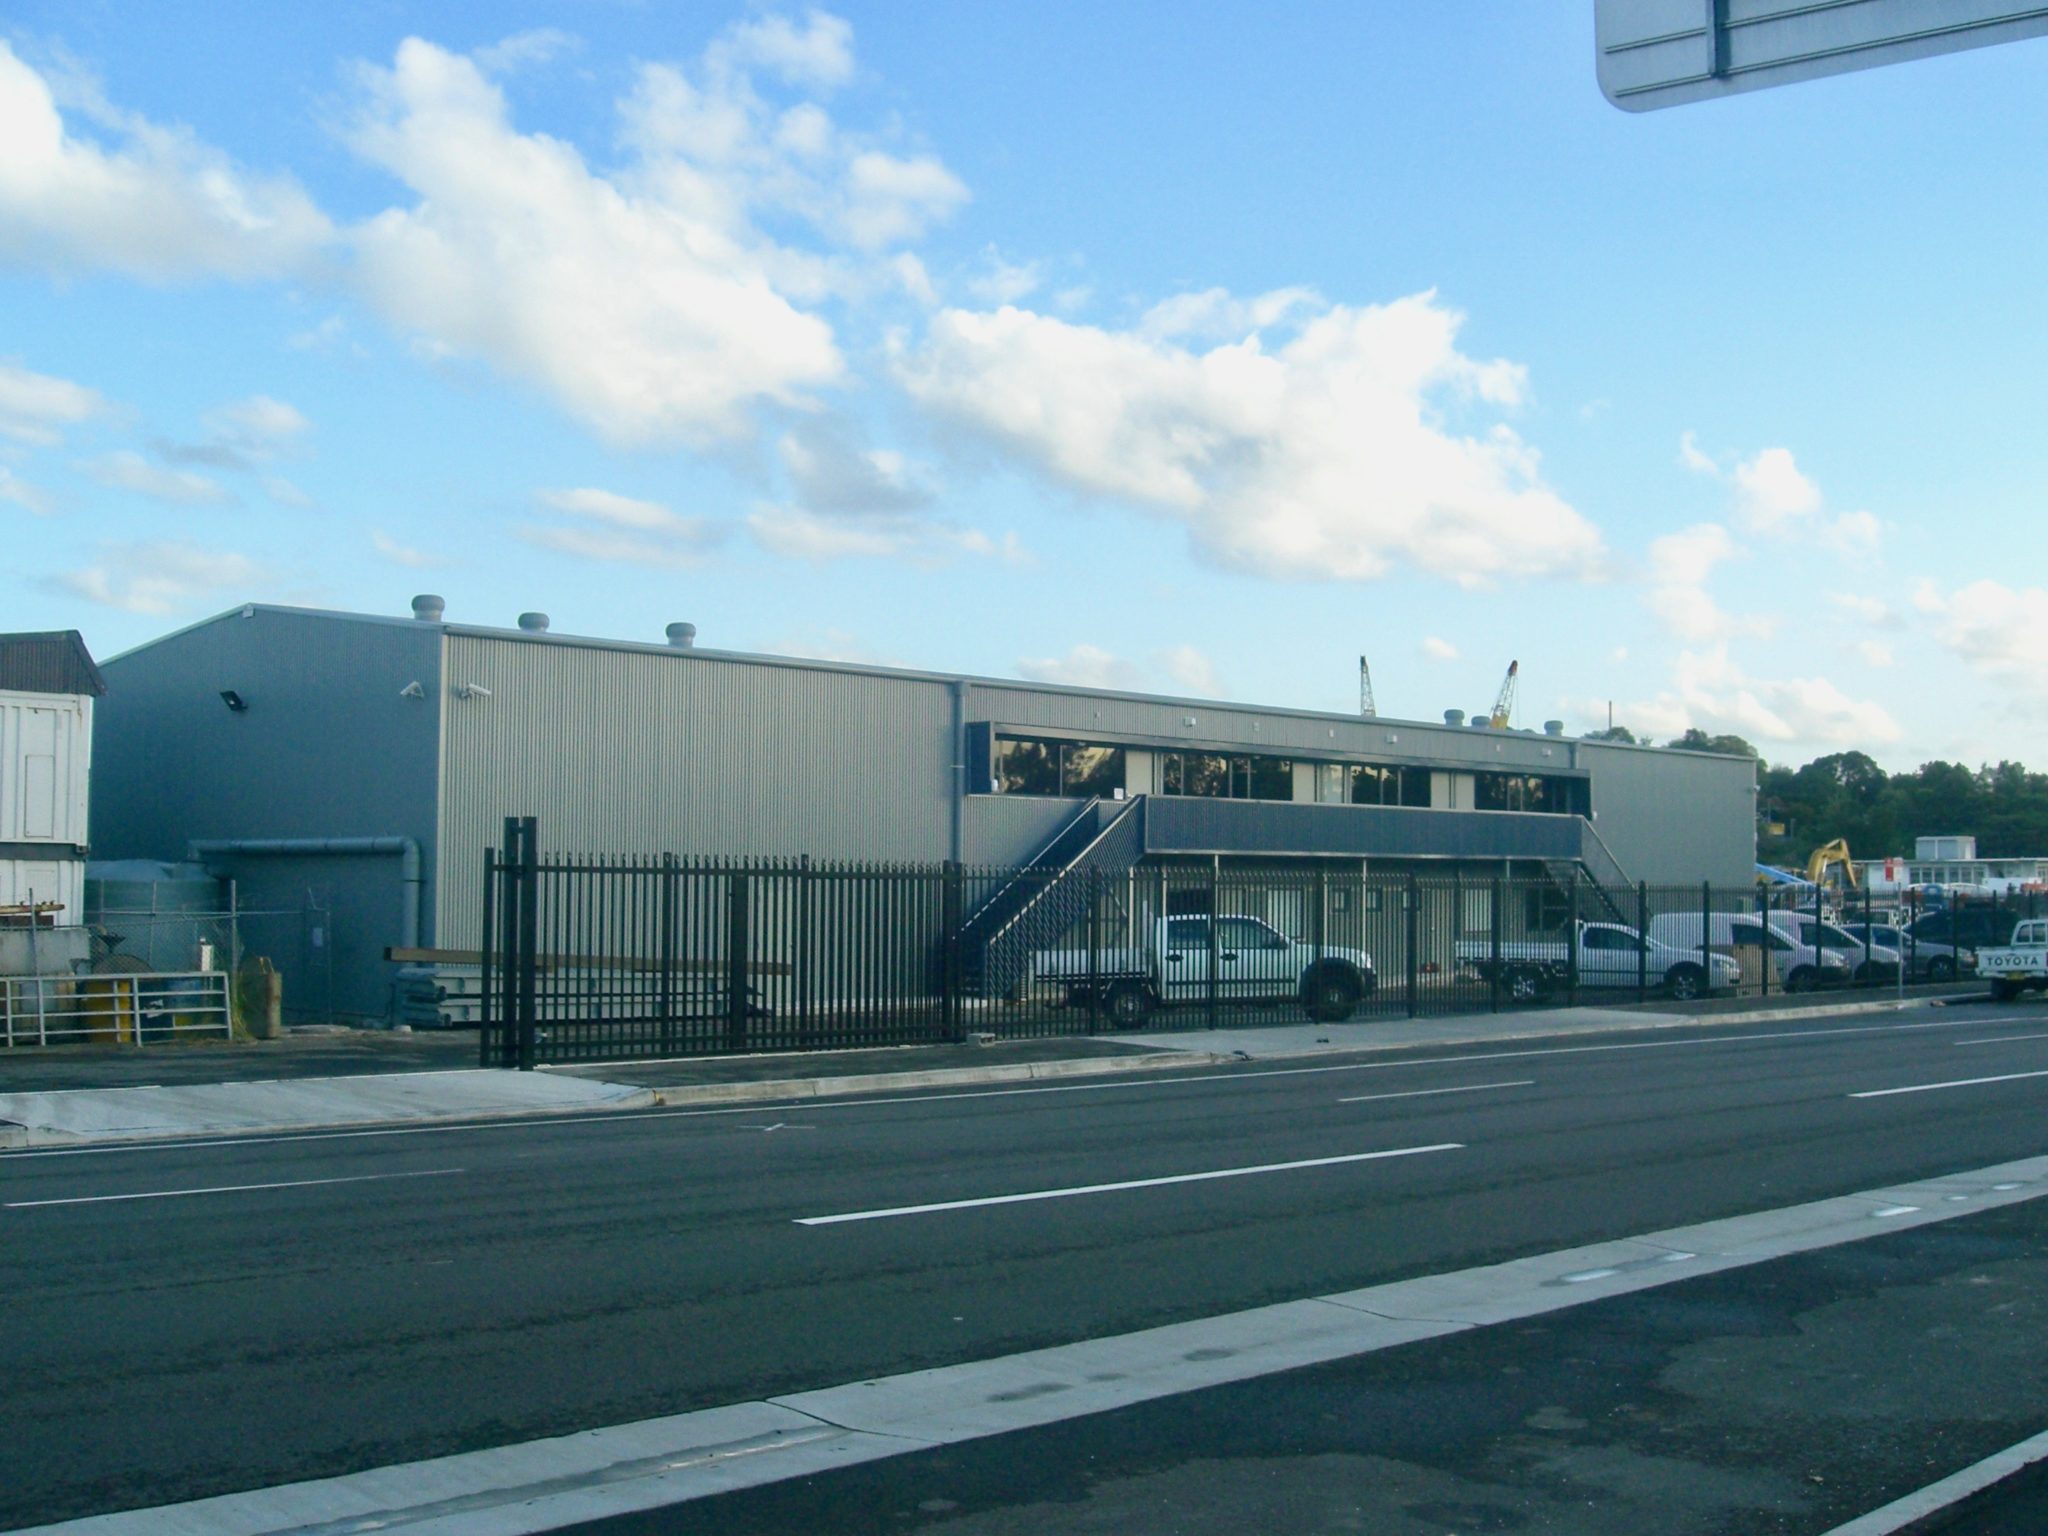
(808, 663)
(49, 661)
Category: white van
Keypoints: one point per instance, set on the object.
(1796, 966)
(1879, 963)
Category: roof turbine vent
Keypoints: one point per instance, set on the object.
(428, 608)
(682, 636)
(1454, 717)
(534, 623)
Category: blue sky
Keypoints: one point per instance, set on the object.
(1192, 348)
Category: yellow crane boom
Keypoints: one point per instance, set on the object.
(1504, 706)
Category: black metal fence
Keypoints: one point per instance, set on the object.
(591, 958)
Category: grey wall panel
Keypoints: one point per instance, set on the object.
(1009, 829)
(1674, 817)
(1359, 831)
(327, 747)
(690, 752)
(1222, 727)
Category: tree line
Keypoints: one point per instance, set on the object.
(1847, 795)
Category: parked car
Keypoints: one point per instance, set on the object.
(1795, 966)
(1608, 955)
(1252, 960)
(1870, 961)
(1970, 926)
(1926, 959)
(2020, 966)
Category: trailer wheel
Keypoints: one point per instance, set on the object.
(1128, 1005)
(1527, 984)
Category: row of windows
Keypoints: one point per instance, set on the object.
(1079, 770)
(1074, 768)
(1227, 778)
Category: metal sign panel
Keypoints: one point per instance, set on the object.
(1660, 53)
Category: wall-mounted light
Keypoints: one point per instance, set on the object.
(233, 700)
(412, 690)
(471, 691)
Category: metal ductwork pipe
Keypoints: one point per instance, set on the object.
(408, 851)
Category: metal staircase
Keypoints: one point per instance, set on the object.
(1048, 897)
(1598, 872)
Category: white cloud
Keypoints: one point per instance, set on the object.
(1215, 314)
(1772, 491)
(1437, 649)
(1181, 669)
(628, 530)
(647, 311)
(285, 493)
(258, 422)
(153, 202)
(525, 50)
(1680, 564)
(29, 498)
(818, 53)
(1709, 691)
(161, 578)
(400, 554)
(1999, 631)
(36, 408)
(801, 534)
(831, 474)
(1085, 666)
(1864, 608)
(1190, 671)
(1774, 496)
(1875, 653)
(130, 471)
(1004, 282)
(1328, 456)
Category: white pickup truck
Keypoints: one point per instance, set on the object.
(1609, 955)
(1249, 959)
(2019, 966)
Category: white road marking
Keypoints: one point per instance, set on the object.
(229, 1189)
(2000, 1039)
(545, 1485)
(1121, 1184)
(883, 1099)
(1424, 1093)
(1961, 1082)
(1917, 1506)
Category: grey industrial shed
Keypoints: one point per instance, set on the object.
(362, 764)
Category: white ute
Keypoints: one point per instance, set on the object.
(1252, 961)
(1609, 955)
(2019, 966)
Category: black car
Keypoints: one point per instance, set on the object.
(1970, 927)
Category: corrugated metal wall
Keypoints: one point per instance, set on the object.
(1674, 817)
(328, 747)
(684, 751)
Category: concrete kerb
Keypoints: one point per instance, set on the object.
(944, 1077)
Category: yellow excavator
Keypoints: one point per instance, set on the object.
(1832, 855)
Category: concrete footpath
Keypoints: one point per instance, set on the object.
(331, 1079)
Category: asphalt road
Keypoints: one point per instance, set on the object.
(190, 1320)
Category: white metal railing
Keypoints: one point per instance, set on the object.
(114, 1009)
